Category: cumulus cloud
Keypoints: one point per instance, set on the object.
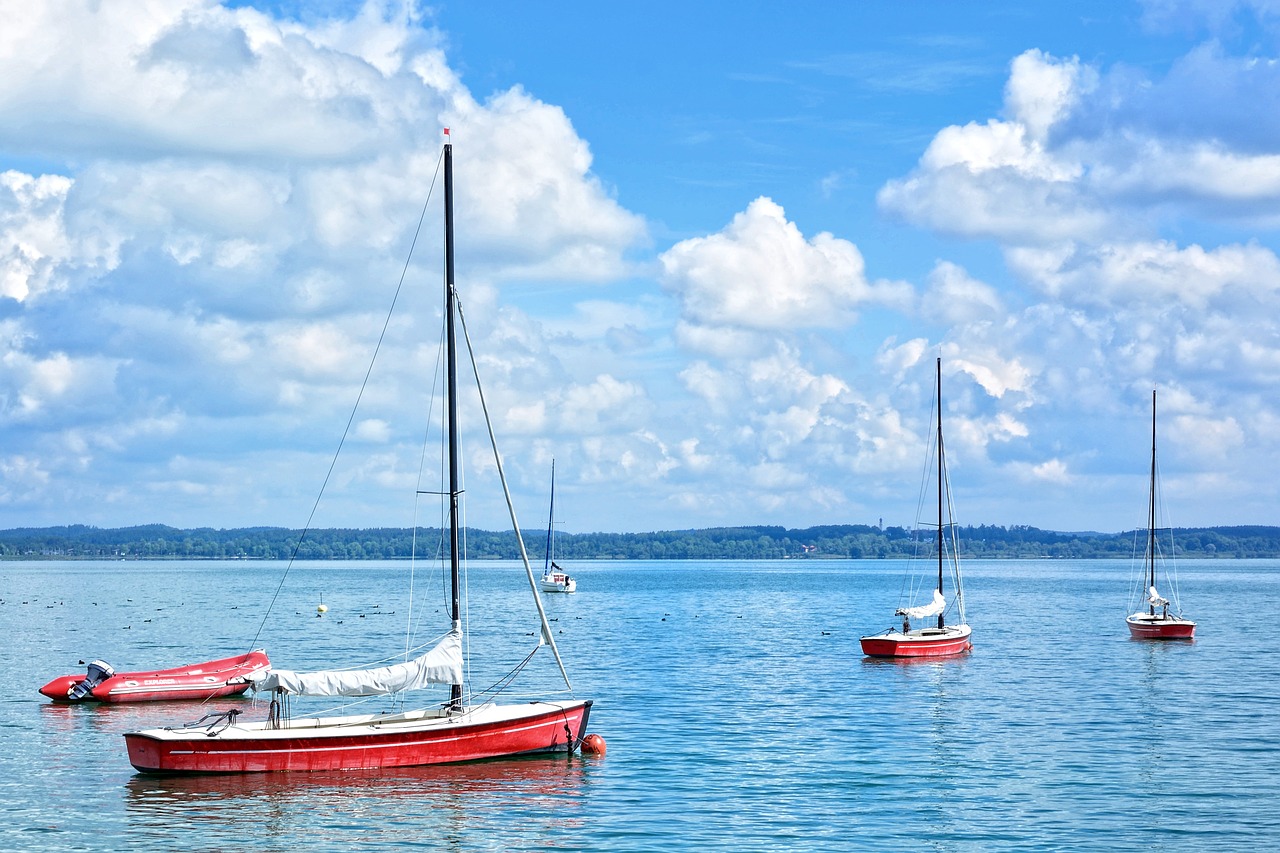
(1010, 178)
(1152, 272)
(229, 200)
(953, 297)
(761, 273)
(37, 255)
(193, 280)
(1083, 155)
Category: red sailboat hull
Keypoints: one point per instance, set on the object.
(199, 681)
(407, 740)
(896, 645)
(1161, 629)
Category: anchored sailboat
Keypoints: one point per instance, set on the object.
(1155, 622)
(554, 578)
(941, 639)
(460, 729)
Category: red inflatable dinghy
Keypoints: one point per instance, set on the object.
(193, 681)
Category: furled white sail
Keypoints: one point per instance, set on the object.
(935, 607)
(1155, 600)
(441, 665)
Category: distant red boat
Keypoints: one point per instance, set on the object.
(208, 680)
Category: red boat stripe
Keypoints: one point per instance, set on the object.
(390, 744)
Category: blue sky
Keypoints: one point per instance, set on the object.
(708, 252)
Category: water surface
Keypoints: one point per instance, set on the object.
(738, 710)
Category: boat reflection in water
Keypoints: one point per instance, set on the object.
(507, 798)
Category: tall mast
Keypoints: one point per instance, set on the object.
(940, 537)
(451, 410)
(1151, 509)
(551, 517)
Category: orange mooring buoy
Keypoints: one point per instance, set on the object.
(593, 745)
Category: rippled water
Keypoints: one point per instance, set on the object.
(738, 710)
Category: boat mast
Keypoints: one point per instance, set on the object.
(551, 518)
(1151, 511)
(940, 537)
(451, 410)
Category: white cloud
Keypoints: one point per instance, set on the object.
(954, 297)
(373, 430)
(606, 401)
(1051, 471)
(194, 286)
(1152, 272)
(530, 198)
(995, 374)
(1214, 438)
(54, 386)
(895, 359)
(36, 253)
(761, 273)
(1042, 91)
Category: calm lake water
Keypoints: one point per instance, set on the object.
(738, 709)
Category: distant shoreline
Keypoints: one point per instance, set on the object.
(854, 541)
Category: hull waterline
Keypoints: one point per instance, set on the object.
(400, 740)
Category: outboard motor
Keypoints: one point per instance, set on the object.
(99, 671)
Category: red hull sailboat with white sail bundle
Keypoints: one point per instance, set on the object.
(459, 729)
(941, 639)
(1155, 622)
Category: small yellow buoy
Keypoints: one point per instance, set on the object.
(322, 609)
(593, 744)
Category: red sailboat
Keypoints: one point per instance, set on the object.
(460, 729)
(940, 639)
(199, 681)
(1155, 622)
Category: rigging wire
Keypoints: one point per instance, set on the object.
(355, 408)
(547, 637)
(411, 629)
(914, 579)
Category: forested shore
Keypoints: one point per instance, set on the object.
(729, 543)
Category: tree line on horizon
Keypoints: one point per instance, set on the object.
(852, 541)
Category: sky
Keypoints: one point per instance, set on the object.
(708, 255)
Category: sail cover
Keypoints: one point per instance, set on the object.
(441, 665)
(1155, 600)
(935, 607)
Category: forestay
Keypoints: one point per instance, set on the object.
(935, 607)
(440, 665)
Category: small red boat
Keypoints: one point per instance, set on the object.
(1145, 626)
(221, 744)
(942, 639)
(921, 643)
(200, 681)
(1152, 619)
